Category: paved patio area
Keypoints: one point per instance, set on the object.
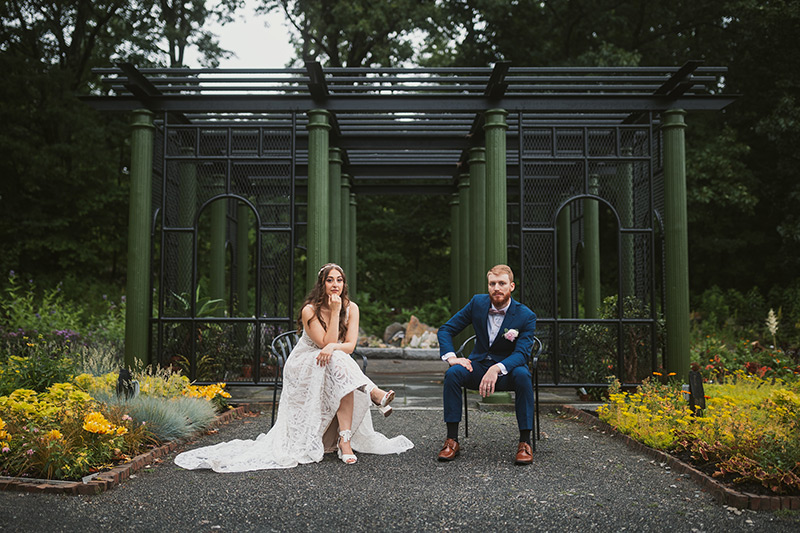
(581, 480)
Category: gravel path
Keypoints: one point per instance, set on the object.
(581, 480)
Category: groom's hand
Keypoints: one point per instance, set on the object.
(486, 388)
(463, 361)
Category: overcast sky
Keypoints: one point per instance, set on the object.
(259, 41)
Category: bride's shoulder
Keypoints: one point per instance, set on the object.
(307, 311)
(352, 306)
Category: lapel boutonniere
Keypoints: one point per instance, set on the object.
(511, 334)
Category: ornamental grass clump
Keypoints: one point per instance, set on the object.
(748, 434)
(170, 419)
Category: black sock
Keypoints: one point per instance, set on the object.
(452, 431)
(525, 435)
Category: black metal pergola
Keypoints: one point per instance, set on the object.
(573, 135)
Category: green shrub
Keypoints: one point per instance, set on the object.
(42, 367)
(732, 315)
(374, 316)
(433, 313)
(25, 310)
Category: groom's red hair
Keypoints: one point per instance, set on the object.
(499, 270)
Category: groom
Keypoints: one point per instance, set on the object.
(504, 330)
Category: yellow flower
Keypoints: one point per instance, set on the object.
(96, 423)
(53, 434)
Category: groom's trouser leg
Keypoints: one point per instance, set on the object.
(454, 380)
(519, 380)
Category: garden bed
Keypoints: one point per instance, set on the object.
(109, 479)
(721, 491)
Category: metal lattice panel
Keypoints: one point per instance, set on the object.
(538, 261)
(545, 186)
(268, 186)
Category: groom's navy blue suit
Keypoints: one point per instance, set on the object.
(513, 355)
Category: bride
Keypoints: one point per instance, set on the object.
(325, 395)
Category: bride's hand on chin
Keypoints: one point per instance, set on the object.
(334, 301)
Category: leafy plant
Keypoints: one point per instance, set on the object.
(23, 309)
(746, 434)
(598, 347)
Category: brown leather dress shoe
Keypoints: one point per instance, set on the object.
(524, 454)
(449, 450)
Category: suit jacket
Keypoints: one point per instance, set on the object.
(511, 353)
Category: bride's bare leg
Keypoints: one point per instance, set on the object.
(345, 418)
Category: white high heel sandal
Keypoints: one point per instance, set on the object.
(384, 406)
(347, 458)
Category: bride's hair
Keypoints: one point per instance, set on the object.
(317, 298)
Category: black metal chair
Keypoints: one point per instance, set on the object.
(281, 347)
(533, 363)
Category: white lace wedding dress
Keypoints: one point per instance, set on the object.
(306, 425)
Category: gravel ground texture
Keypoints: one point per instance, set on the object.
(581, 480)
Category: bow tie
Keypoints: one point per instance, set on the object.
(493, 311)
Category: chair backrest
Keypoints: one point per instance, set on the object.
(283, 344)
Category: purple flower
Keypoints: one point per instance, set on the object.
(37, 315)
(11, 274)
(29, 452)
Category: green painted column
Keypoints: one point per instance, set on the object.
(336, 220)
(318, 193)
(344, 211)
(496, 204)
(352, 277)
(564, 235)
(676, 242)
(464, 279)
(138, 298)
(455, 255)
(477, 217)
(187, 206)
(625, 210)
(219, 224)
(591, 250)
(242, 258)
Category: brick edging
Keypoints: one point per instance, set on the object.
(722, 493)
(110, 478)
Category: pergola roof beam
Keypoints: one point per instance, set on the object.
(316, 81)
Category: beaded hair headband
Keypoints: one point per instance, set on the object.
(328, 265)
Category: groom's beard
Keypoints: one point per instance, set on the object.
(500, 305)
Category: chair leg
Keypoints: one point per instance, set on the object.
(275, 394)
(536, 394)
(466, 414)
